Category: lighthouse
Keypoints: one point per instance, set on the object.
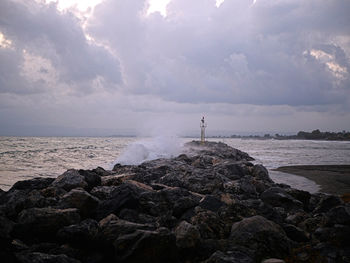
(203, 125)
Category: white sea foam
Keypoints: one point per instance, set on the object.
(164, 146)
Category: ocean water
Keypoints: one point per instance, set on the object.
(28, 157)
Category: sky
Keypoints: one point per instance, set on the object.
(141, 67)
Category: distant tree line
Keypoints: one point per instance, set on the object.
(301, 135)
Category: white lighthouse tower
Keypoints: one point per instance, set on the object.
(203, 125)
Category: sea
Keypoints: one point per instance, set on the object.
(23, 158)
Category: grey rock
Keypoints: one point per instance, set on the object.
(266, 238)
(276, 196)
(187, 235)
(32, 184)
(43, 223)
(69, 180)
(80, 199)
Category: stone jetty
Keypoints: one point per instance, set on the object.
(210, 204)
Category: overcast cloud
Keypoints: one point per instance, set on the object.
(270, 66)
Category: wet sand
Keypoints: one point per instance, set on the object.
(333, 179)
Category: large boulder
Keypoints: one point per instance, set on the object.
(80, 199)
(84, 234)
(32, 184)
(42, 223)
(339, 215)
(265, 237)
(69, 180)
(124, 196)
(278, 197)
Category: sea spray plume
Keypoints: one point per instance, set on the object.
(164, 146)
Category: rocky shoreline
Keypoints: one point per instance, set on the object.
(210, 204)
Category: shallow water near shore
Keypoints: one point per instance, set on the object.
(28, 157)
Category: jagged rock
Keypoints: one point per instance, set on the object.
(43, 223)
(80, 199)
(36, 257)
(91, 177)
(187, 235)
(124, 196)
(32, 184)
(266, 238)
(69, 180)
(146, 246)
(85, 234)
(230, 256)
(15, 201)
(276, 196)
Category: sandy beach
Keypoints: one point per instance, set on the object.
(333, 179)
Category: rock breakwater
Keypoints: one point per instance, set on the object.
(210, 204)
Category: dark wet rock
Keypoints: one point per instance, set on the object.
(229, 256)
(326, 203)
(80, 199)
(16, 200)
(85, 234)
(266, 238)
(210, 202)
(339, 215)
(261, 172)
(69, 180)
(36, 257)
(124, 196)
(32, 184)
(300, 195)
(91, 177)
(295, 233)
(6, 226)
(43, 223)
(276, 196)
(146, 246)
(187, 235)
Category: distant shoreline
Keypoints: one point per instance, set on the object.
(333, 179)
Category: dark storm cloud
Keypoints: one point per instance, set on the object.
(238, 53)
(43, 31)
